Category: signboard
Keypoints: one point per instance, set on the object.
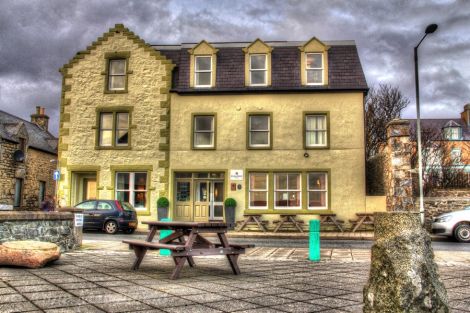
(56, 175)
(236, 174)
(6, 207)
(78, 220)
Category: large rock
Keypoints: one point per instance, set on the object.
(28, 253)
(403, 276)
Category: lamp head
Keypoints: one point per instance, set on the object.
(431, 28)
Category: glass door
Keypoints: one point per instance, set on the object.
(202, 200)
(217, 200)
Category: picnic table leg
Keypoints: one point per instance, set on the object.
(261, 226)
(358, 224)
(296, 224)
(232, 258)
(338, 225)
(190, 258)
(179, 266)
(281, 222)
(139, 253)
(244, 223)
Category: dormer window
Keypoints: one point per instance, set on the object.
(314, 68)
(452, 133)
(258, 70)
(203, 71)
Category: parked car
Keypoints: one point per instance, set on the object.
(454, 224)
(108, 215)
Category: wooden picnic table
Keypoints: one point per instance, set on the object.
(288, 219)
(186, 242)
(363, 218)
(252, 219)
(330, 219)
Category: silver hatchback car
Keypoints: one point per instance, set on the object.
(454, 224)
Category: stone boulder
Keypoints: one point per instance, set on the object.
(403, 275)
(28, 253)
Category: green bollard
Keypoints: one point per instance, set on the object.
(314, 241)
(165, 233)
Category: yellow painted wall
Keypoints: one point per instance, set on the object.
(345, 157)
(376, 204)
(84, 92)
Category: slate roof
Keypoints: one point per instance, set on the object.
(344, 68)
(37, 137)
(439, 123)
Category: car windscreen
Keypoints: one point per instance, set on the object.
(126, 206)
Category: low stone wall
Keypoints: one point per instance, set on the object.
(444, 201)
(55, 227)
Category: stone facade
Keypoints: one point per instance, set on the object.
(147, 101)
(54, 227)
(36, 167)
(397, 167)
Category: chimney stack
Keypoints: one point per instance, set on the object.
(465, 115)
(40, 118)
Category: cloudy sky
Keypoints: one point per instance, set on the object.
(38, 37)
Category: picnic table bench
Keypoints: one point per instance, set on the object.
(288, 220)
(187, 241)
(330, 219)
(252, 219)
(363, 219)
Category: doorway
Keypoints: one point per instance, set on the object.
(199, 197)
(84, 187)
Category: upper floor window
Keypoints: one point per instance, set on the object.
(259, 131)
(113, 129)
(204, 132)
(452, 133)
(314, 68)
(316, 130)
(258, 70)
(456, 155)
(203, 71)
(117, 74)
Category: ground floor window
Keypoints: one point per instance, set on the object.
(288, 190)
(132, 187)
(42, 191)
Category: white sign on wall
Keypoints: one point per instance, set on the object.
(78, 220)
(236, 174)
(6, 207)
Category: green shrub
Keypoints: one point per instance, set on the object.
(230, 203)
(163, 202)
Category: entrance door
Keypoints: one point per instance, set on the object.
(202, 196)
(89, 189)
(83, 187)
(183, 209)
(217, 201)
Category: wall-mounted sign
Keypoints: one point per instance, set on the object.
(78, 220)
(236, 174)
(6, 207)
(56, 175)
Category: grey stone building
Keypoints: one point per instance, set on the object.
(28, 157)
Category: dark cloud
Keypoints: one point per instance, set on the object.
(38, 37)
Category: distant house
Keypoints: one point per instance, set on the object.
(279, 126)
(28, 155)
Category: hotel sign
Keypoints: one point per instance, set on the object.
(236, 174)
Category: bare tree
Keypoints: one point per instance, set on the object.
(382, 105)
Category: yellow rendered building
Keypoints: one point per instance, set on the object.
(278, 126)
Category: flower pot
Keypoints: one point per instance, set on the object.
(230, 217)
(162, 213)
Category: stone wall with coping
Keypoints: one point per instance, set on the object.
(55, 227)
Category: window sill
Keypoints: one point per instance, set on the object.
(115, 91)
(259, 148)
(327, 147)
(288, 211)
(203, 148)
(113, 148)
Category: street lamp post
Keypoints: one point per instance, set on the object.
(429, 30)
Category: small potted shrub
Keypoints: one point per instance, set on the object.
(229, 206)
(162, 208)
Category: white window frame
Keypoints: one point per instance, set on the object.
(287, 190)
(116, 75)
(131, 189)
(116, 129)
(212, 131)
(316, 130)
(322, 68)
(196, 71)
(258, 190)
(265, 70)
(321, 190)
(456, 155)
(259, 130)
(102, 129)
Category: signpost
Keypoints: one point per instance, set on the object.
(56, 177)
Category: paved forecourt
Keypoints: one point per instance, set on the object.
(272, 280)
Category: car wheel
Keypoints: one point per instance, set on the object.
(129, 231)
(462, 233)
(111, 227)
